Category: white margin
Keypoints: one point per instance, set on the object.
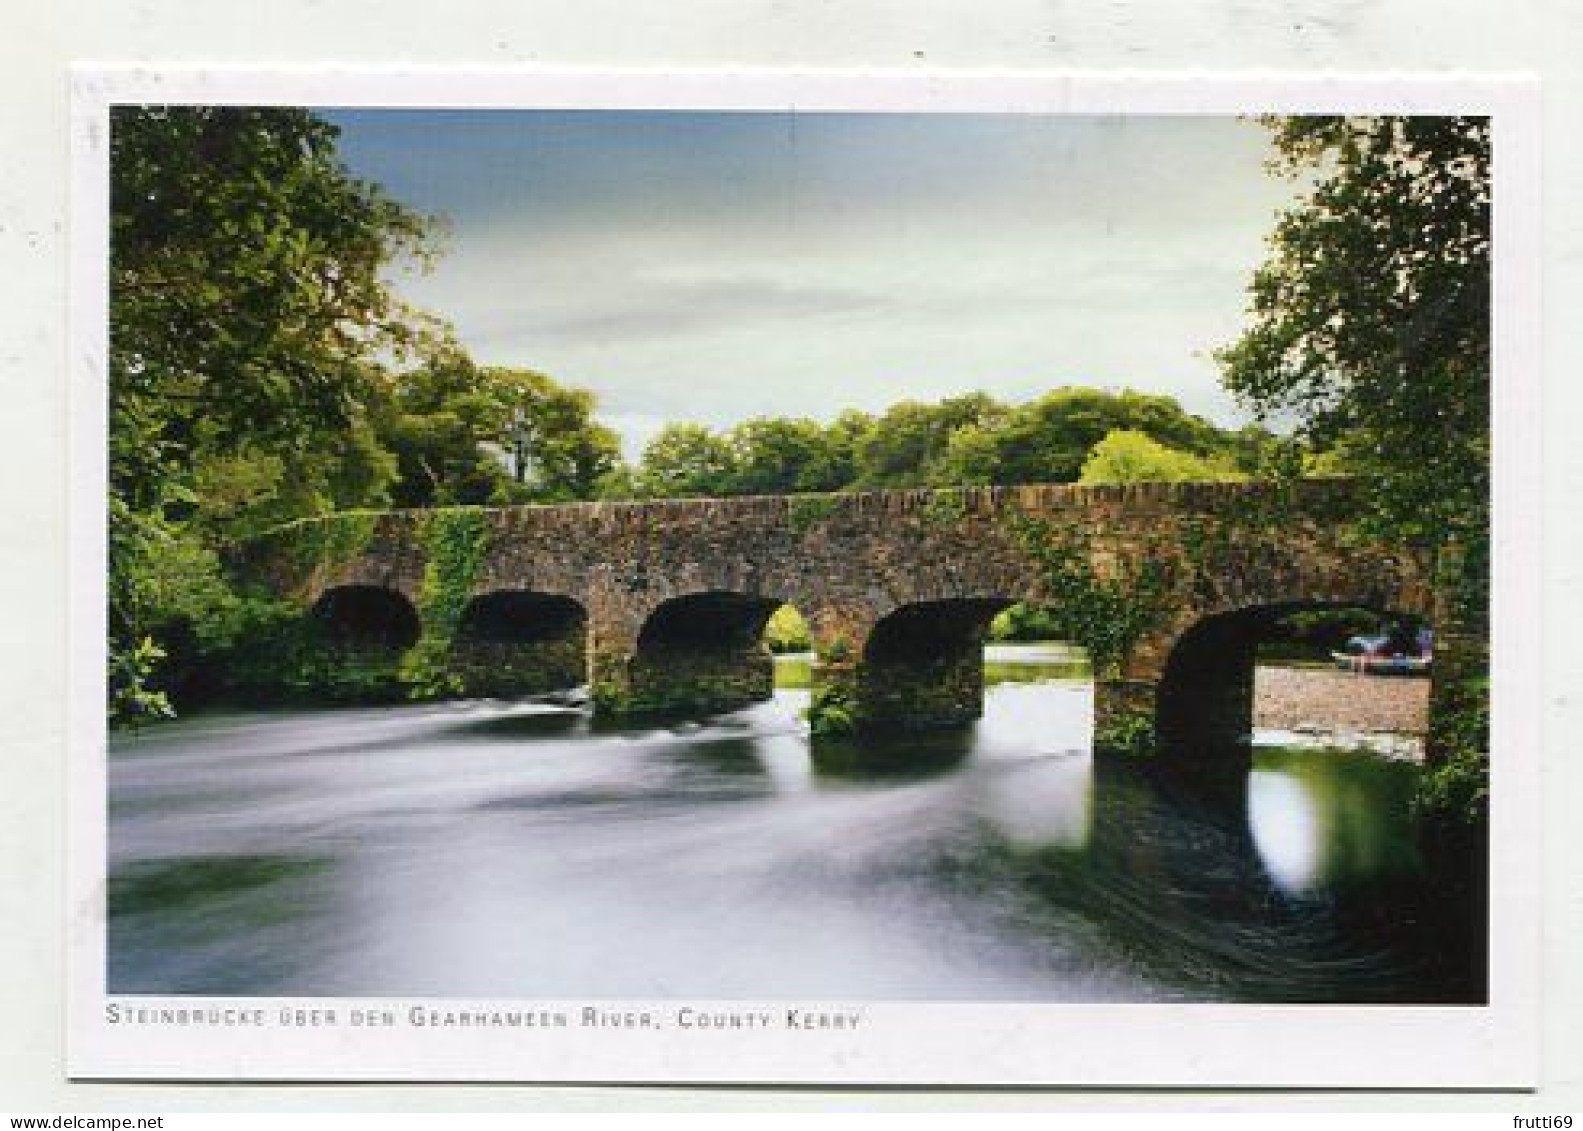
(1494, 1046)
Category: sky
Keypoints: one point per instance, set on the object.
(711, 267)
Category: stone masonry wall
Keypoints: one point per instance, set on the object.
(849, 561)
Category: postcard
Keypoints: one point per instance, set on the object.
(879, 579)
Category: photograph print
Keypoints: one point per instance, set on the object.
(713, 557)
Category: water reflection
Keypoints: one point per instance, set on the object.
(515, 850)
(1003, 663)
(1285, 830)
(1322, 818)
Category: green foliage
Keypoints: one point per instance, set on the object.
(1315, 633)
(839, 649)
(777, 456)
(248, 301)
(687, 460)
(1106, 613)
(907, 445)
(786, 631)
(1049, 439)
(465, 434)
(842, 439)
(1370, 320)
(1464, 732)
(248, 290)
(832, 712)
(261, 372)
(456, 542)
(331, 541)
(1024, 622)
(1125, 734)
(1371, 328)
(960, 441)
(945, 509)
(1454, 792)
(609, 686)
(763, 456)
(610, 701)
(132, 699)
(219, 641)
(170, 586)
(251, 322)
(808, 511)
(1127, 456)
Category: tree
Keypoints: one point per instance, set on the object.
(250, 324)
(844, 438)
(782, 455)
(1047, 440)
(463, 434)
(686, 460)
(248, 291)
(1370, 320)
(906, 446)
(557, 451)
(1127, 456)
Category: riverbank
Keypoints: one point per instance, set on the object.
(1309, 700)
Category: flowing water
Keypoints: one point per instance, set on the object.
(522, 850)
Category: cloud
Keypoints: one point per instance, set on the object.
(716, 266)
(661, 308)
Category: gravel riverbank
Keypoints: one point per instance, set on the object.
(1321, 699)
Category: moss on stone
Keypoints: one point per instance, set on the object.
(456, 545)
(832, 713)
(323, 545)
(808, 511)
(1109, 614)
(1128, 734)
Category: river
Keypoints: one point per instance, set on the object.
(523, 850)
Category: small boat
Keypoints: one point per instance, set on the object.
(1369, 655)
(1381, 665)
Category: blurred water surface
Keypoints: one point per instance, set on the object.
(520, 849)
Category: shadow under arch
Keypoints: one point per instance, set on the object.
(703, 653)
(365, 618)
(356, 637)
(512, 642)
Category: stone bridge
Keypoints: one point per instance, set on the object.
(660, 606)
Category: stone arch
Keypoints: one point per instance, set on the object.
(520, 642)
(922, 665)
(1203, 698)
(701, 652)
(357, 636)
(366, 618)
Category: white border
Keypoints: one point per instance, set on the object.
(899, 1044)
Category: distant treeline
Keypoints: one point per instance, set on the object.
(450, 432)
(462, 434)
(1066, 435)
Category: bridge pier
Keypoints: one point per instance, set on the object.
(1204, 701)
(838, 635)
(1124, 715)
(1183, 694)
(502, 670)
(1459, 681)
(703, 681)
